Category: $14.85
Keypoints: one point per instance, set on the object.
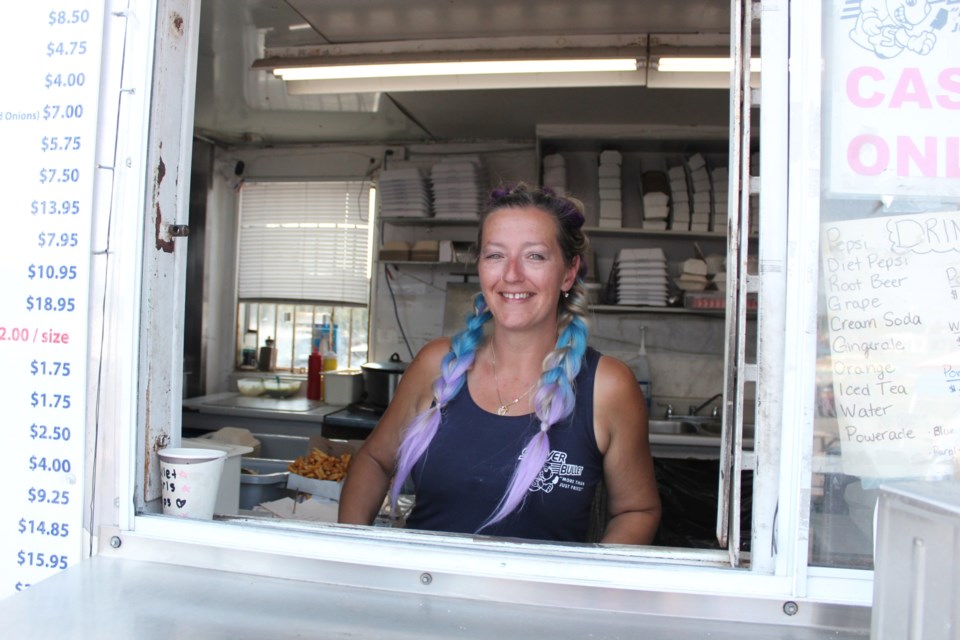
(44, 528)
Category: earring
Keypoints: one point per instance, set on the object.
(566, 294)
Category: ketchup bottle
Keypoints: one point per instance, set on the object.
(314, 381)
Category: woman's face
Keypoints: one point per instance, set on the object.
(521, 268)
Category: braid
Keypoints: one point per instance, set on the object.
(554, 398)
(453, 373)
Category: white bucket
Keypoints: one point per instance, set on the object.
(190, 481)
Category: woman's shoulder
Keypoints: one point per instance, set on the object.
(426, 364)
(614, 379)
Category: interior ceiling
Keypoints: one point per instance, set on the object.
(237, 105)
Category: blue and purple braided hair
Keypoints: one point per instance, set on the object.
(554, 398)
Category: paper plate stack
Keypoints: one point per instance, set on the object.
(404, 193)
(459, 188)
(641, 277)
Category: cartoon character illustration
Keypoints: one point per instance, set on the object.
(887, 27)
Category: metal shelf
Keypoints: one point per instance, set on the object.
(430, 222)
(626, 308)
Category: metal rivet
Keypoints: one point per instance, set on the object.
(425, 578)
(115, 542)
(790, 608)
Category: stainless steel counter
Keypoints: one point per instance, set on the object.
(289, 416)
(107, 597)
(299, 416)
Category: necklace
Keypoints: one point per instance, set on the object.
(505, 406)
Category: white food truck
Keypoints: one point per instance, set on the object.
(160, 153)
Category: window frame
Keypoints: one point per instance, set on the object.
(403, 556)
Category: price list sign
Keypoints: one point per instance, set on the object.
(48, 122)
(892, 293)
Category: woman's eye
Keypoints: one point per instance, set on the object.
(537, 256)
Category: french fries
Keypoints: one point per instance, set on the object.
(320, 465)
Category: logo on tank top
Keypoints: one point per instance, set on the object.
(557, 473)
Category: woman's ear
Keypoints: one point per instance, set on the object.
(570, 276)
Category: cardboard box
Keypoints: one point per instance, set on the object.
(323, 488)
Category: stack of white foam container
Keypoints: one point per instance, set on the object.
(404, 193)
(719, 176)
(555, 173)
(655, 188)
(700, 187)
(459, 187)
(679, 198)
(611, 206)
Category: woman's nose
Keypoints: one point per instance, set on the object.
(512, 272)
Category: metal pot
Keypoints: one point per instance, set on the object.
(380, 380)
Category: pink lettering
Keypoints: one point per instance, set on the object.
(949, 80)
(910, 88)
(856, 150)
(853, 87)
(953, 157)
(907, 150)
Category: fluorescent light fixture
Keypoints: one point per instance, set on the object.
(464, 68)
(673, 64)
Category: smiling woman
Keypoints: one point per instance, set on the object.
(526, 468)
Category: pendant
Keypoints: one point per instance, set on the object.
(502, 410)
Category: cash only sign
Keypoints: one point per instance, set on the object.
(891, 277)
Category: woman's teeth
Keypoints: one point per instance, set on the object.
(516, 296)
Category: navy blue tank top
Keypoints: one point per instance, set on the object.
(465, 471)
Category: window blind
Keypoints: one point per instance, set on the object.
(305, 241)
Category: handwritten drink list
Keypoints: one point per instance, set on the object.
(892, 289)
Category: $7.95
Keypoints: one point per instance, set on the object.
(51, 239)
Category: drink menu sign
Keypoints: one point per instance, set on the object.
(48, 122)
(892, 97)
(892, 295)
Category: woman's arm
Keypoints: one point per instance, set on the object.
(620, 423)
(371, 469)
